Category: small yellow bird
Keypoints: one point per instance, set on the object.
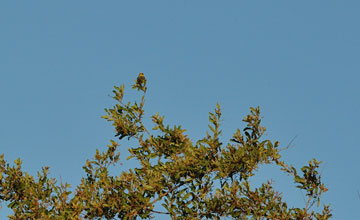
(141, 80)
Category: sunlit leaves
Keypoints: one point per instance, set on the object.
(205, 179)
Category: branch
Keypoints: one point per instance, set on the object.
(159, 198)
(289, 145)
(158, 212)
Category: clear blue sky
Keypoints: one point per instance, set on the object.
(297, 60)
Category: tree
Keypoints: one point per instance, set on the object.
(191, 180)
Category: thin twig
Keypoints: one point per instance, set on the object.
(289, 145)
(158, 212)
(322, 170)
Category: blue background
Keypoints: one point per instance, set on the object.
(297, 60)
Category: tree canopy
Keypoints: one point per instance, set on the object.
(206, 179)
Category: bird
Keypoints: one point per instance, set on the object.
(141, 80)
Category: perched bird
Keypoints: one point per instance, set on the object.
(141, 79)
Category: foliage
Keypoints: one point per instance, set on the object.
(191, 180)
